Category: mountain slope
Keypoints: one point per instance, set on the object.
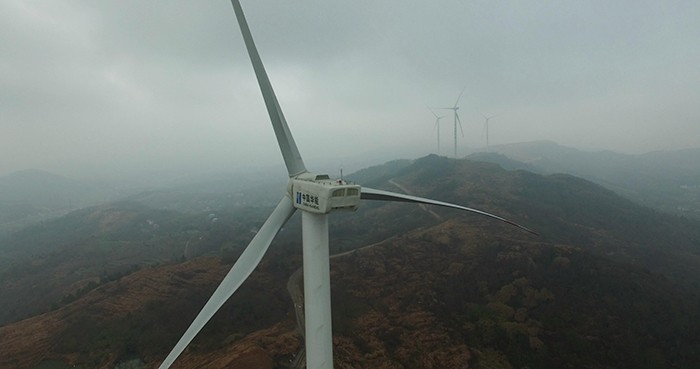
(608, 284)
(440, 297)
(143, 314)
(51, 264)
(666, 180)
(30, 196)
(562, 208)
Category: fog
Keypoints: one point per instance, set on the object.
(110, 89)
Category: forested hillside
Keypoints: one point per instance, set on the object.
(608, 283)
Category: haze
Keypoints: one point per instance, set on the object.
(113, 88)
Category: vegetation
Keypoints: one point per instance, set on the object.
(524, 304)
(668, 181)
(608, 284)
(65, 258)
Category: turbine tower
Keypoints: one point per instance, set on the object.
(315, 195)
(437, 127)
(457, 121)
(486, 128)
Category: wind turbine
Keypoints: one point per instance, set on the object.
(457, 121)
(316, 195)
(486, 127)
(437, 126)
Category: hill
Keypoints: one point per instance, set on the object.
(562, 208)
(30, 196)
(48, 265)
(666, 180)
(608, 284)
(445, 296)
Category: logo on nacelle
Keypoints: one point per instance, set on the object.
(308, 200)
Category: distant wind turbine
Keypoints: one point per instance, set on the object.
(457, 121)
(437, 127)
(315, 195)
(486, 127)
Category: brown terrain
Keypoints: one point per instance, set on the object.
(383, 313)
(457, 292)
(449, 296)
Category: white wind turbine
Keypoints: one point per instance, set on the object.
(486, 127)
(437, 127)
(457, 121)
(316, 196)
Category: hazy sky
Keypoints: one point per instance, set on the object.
(114, 87)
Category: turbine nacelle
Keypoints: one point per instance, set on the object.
(320, 194)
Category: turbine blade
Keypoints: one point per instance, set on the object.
(460, 96)
(460, 123)
(380, 195)
(290, 153)
(245, 264)
(431, 110)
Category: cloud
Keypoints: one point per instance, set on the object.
(112, 86)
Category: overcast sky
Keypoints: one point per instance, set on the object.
(117, 87)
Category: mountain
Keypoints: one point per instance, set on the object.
(213, 193)
(609, 283)
(666, 180)
(445, 296)
(503, 161)
(563, 209)
(30, 196)
(49, 265)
